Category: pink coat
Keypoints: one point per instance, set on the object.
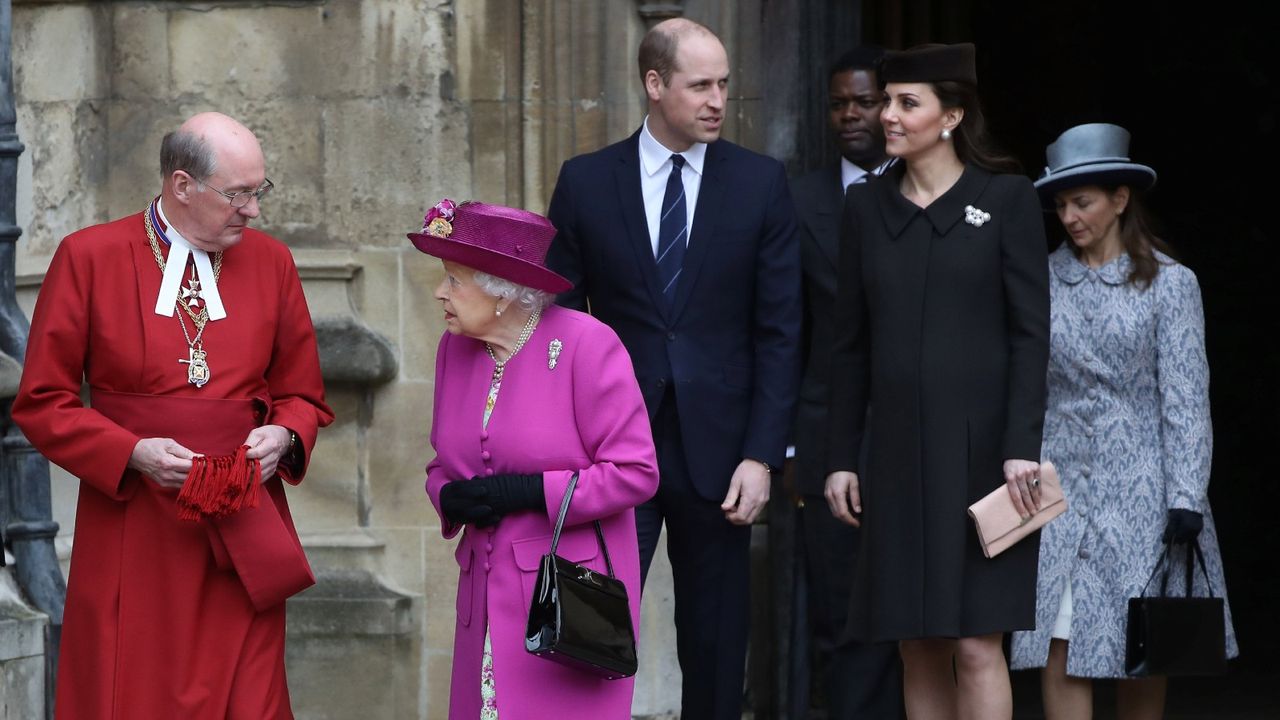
(586, 415)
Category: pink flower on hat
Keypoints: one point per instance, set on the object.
(439, 219)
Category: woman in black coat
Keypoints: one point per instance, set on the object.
(943, 314)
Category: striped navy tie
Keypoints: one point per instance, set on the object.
(672, 228)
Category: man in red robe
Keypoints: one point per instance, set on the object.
(193, 336)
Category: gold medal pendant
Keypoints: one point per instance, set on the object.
(197, 368)
(191, 301)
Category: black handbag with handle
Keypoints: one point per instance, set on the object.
(579, 617)
(1177, 636)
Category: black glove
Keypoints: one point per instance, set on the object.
(464, 503)
(505, 494)
(1184, 526)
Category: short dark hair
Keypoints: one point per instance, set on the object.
(184, 150)
(658, 48)
(863, 57)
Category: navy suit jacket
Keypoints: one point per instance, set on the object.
(818, 197)
(729, 345)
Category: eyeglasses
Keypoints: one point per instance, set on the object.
(241, 198)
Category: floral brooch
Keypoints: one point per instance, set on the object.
(439, 219)
(975, 216)
(553, 353)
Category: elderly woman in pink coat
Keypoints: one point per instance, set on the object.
(526, 395)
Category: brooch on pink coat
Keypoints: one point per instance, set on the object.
(553, 353)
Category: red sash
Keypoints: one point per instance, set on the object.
(260, 544)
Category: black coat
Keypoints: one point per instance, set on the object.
(818, 197)
(943, 329)
(730, 342)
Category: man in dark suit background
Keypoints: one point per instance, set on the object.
(685, 245)
(858, 680)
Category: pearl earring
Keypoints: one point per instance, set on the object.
(946, 134)
(497, 311)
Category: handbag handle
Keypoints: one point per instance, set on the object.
(564, 509)
(1162, 567)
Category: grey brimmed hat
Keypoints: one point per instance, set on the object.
(1092, 154)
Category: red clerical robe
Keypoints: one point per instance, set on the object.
(157, 622)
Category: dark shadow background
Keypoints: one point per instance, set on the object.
(1197, 88)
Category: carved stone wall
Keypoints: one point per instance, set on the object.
(369, 111)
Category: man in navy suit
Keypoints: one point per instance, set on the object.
(855, 680)
(685, 245)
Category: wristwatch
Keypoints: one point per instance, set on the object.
(292, 456)
(767, 467)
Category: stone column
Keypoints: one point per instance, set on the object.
(22, 654)
(22, 627)
(26, 508)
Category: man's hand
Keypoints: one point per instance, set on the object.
(268, 444)
(748, 493)
(163, 460)
(843, 497)
(1023, 479)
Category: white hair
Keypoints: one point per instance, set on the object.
(528, 298)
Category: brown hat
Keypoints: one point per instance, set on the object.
(930, 63)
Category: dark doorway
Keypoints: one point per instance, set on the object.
(1196, 86)
(1193, 88)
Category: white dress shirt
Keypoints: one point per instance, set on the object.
(655, 168)
(851, 174)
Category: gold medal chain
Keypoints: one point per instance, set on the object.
(198, 318)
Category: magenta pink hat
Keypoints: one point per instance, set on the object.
(501, 241)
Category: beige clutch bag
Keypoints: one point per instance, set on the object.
(1000, 526)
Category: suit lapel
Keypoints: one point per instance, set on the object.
(705, 217)
(631, 200)
(826, 220)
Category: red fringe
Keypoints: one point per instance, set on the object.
(220, 486)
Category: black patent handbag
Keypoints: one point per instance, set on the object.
(1176, 636)
(578, 617)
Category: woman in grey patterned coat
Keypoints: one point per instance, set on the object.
(1127, 425)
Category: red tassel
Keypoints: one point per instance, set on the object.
(254, 475)
(187, 505)
(237, 482)
(220, 486)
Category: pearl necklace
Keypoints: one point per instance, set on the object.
(525, 334)
(500, 366)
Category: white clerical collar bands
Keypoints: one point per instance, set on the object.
(175, 267)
